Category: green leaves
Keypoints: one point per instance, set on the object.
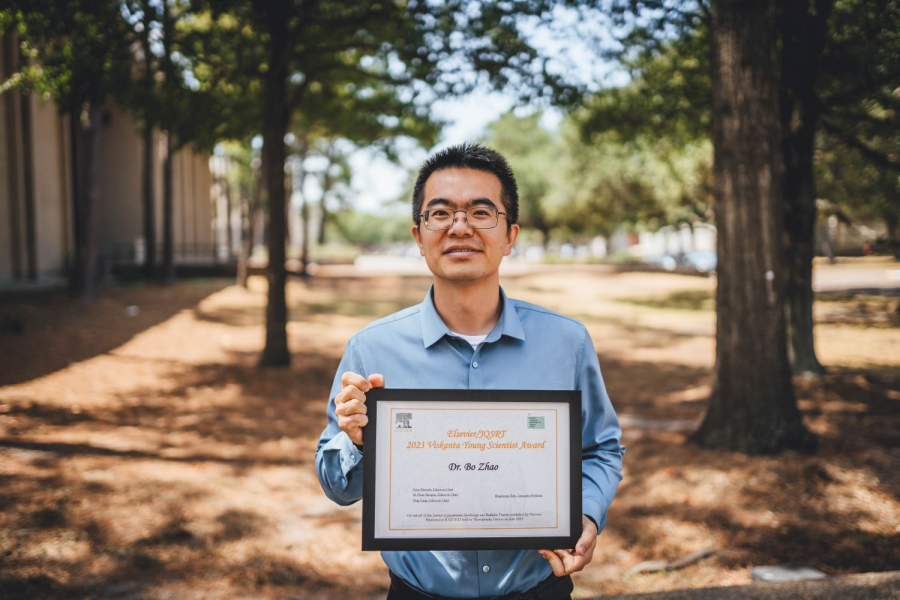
(665, 47)
(80, 50)
(579, 187)
(670, 95)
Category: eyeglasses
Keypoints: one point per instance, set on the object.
(476, 217)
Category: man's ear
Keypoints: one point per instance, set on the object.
(511, 236)
(418, 235)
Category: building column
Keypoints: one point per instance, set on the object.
(10, 52)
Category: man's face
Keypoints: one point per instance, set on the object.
(462, 254)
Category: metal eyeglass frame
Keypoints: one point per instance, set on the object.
(424, 217)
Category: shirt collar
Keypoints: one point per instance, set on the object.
(433, 327)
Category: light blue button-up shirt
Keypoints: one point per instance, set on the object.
(530, 348)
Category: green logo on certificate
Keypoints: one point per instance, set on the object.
(535, 422)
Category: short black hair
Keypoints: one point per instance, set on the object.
(470, 156)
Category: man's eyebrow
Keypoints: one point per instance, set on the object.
(474, 202)
(482, 201)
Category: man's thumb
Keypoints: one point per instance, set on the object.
(377, 380)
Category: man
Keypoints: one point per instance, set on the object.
(468, 334)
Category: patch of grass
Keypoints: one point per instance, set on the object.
(882, 301)
(556, 259)
(867, 310)
(699, 300)
(354, 308)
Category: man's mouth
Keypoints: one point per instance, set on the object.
(460, 251)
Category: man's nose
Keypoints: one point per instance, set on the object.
(460, 226)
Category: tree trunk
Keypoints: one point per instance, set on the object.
(288, 200)
(752, 408)
(13, 219)
(892, 225)
(75, 145)
(147, 200)
(304, 239)
(88, 213)
(253, 204)
(298, 179)
(328, 182)
(803, 38)
(149, 215)
(229, 213)
(168, 264)
(323, 221)
(28, 181)
(275, 122)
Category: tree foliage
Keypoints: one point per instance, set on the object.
(380, 62)
(666, 53)
(366, 230)
(532, 153)
(860, 188)
(76, 54)
(669, 95)
(594, 187)
(80, 51)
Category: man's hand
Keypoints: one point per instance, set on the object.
(566, 562)
(350, 403)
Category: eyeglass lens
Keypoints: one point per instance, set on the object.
(478, 217)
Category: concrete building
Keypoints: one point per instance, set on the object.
(121, 221)
(36, 190)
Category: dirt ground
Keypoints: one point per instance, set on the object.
(144, 455)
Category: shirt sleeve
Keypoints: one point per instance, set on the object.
(338, 460)
(601, 452)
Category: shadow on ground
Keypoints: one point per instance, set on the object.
(62, 331)
(198, 481)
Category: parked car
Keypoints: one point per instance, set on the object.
(705, 262)
(702, 261)
(667, 261)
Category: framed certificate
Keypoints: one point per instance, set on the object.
(471, 469)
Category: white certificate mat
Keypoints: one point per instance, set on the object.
(484, 470)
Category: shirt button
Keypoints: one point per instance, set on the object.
(344, 480)
(475, 364)
(486, 569)
(352, 459)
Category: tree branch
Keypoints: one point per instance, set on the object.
(856, 93)
(878, 157)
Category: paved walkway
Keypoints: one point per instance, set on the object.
(865, 586)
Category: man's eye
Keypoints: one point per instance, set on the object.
(481, 212)
(440, 213)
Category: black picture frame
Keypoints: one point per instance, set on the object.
(572, 398)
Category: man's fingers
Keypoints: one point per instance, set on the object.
(585, 549)
(353, 426)
(585, 542)
(350, 403)
(351, 392)
(356, 380)
(351, 407)
(555, 563)
(588, 539)
(353, 422)
(571, 563)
